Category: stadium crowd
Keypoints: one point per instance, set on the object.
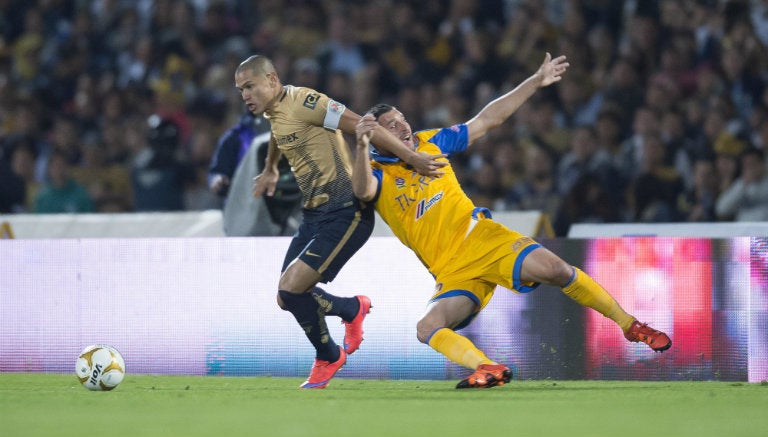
(116, 105)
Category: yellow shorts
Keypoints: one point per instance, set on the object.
(490, 255)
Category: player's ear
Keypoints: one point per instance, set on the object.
(272, 78)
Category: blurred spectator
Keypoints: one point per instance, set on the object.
(543, 128)
(645, 123)
(108, 183)
(23, 158)
(231, 147)
(13, 189)
(697, 203)
(680, 152)
(510, 160)
(741, 58)
(341, 53)
(587, 202)
(746, 200)
(306, 72)
(727, 149)
(608, 132)
(538, 188)
(65, 138)
(158, 176)
(654, 191)
(61, 193)
(484, 188)
(584, 157)
(624, 87)
(579, 104)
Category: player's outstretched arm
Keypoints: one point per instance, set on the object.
(500, 109)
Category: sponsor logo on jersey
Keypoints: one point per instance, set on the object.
(311, 100)
(400, 183)
(285, 139)
(424, 205)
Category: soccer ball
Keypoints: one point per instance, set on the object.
(100, 367)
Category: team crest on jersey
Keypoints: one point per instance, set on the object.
(400, 183)
(335, 107)
(522, 242)
(311, 100)
(423, 206)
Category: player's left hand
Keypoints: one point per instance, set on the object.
(265, 183)
(427, 164)
(551, 70)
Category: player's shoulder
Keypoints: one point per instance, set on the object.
(450, 131)
(294, 91)
(449, 139)
(426, 139)
(302, 96)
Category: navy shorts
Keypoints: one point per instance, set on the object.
(328, 242)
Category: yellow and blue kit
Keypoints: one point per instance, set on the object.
(467, 252)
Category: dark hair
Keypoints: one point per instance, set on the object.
(379, 109)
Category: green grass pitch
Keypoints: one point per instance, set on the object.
(183, 406)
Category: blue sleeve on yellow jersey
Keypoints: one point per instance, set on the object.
(378, 174)
(451, 139)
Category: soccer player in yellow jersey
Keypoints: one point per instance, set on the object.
(464, 249)
(306, 127)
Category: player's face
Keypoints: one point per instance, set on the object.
(395, 122)
(257, 90)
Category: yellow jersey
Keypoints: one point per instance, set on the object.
(429, 215)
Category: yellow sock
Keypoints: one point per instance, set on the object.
(458, 348)
(586, 291)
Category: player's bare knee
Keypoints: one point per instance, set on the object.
(424, 329)
(547, 268)
(562, 272)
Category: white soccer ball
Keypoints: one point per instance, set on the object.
(100, 367)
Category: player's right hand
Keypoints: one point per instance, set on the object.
(265, 183)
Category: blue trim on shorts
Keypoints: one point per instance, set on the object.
(518, 266)
(464, 323)
(572, 279)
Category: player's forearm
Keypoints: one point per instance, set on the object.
(273, 157)
(389, 143)
(362, 180)
(500, 109)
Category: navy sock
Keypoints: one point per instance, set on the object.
(344, 307)
(311, 318)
